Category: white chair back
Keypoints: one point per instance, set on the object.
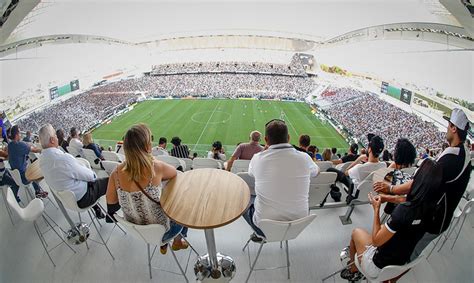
(279, 231)
(84, 162)
(171, 160)
(364, 187)
(249, 180)
(73, 151)
(189, 163)
(17, 177)
(409, 170)
(68, 199)
(31, 212)
(206, 163)
(109, 166)
(94, 161)
(111, 156)
(390, 271)
(324, 165)
(150, 234)
(343, 166)
(320, 186)
(240, 165)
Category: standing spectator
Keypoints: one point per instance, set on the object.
(161, 148)
(27, 137)
(89, 144)
(179, 150)
(282, 176)
(217, 152)
(18, 152)
(61, 141)
(246, 151)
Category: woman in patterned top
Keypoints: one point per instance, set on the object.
(136, 185)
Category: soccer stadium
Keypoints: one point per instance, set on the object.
(236, 140)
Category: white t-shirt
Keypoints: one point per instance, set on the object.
(360, 171)
(282, 175)
(76, 143)
(222, 156)
(157, 151)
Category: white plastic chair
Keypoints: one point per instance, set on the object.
(173, 161)
(361, 197)
(343, 166)
(324, 165)
(388, 272)
(409, 170)
(279, 231)
(240, 165)
(109, 166)
(319, 189)
(188, 162)
(26, 188)
(7, 207)
(31, 213)
(249, 180)
(74, 151)
(111, 156)
(151, 234)
(94, 161)
(206, 163)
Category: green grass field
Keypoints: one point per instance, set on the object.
(201, 122)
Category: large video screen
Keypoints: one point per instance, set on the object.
(406, 96)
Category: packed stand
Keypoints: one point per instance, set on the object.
(335, 95)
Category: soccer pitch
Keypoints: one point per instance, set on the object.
(201, 122)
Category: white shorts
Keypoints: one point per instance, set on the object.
(367, 263)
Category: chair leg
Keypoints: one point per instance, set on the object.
(281, 244)
(177, 262)
(102, 239)
(254, 262)
(43, 243)
(149, 259)
(449, 232)
(246, 244)
(56, 232)
(287, 259)
(459, 231)
(434, 247)
(189, 244)
(346, 218)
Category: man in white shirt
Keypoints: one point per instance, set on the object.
(64, 172)
(366, 164)
(75, 142)
(282, 175)
(161, 148)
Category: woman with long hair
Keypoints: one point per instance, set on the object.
(394, 242)
(136, 185)
(89, 144)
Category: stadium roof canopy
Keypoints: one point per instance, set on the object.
(147, 20)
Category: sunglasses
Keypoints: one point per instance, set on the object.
(273, 120)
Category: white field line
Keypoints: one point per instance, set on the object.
(207, 124)
(288, 119)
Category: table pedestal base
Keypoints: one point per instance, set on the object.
(214, 266)
(79, 234)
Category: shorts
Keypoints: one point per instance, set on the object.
(367, 263)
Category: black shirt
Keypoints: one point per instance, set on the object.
(350, 157)
(452, 162)
(180, 151)
(408, 229)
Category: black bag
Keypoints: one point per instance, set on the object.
(335, 193)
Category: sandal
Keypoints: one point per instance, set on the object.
(164, 249)
(182, 246)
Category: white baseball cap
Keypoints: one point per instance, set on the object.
(458, 119)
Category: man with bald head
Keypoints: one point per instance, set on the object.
(246, 151)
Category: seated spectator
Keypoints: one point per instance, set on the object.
(89, 144)
(5, 177)
(27, 137)
(386, 156)
(246, 151)
(426, 154)
(348, 157)
(136, 186)
(217, 152)
(74, 141)
(317, 155)
(327, 155)
(394, 242)
(161, 148)
(61, 141)
(282, 175)
(179, 150)
(304, 142)
(312, 152)
(64, 172)
(334, 154)
(18, 152)
(404, 157)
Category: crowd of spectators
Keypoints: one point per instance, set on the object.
(368, 113)
(336, 95)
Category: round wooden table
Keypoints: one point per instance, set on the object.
(33, 172)
(206, 199)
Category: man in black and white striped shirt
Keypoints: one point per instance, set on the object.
(179, 150)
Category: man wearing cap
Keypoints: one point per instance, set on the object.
(456, 166)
